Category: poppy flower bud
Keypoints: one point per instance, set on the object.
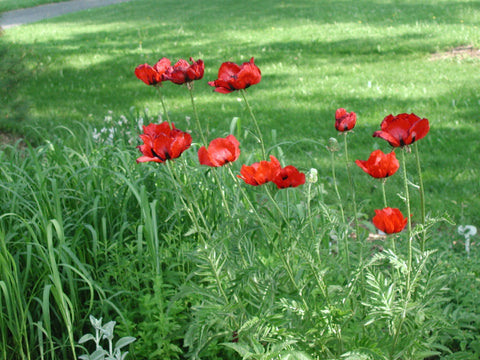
(312, 176)
(345, 121)
(333, 145)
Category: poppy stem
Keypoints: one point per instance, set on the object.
(335, 186)
(192, 214)
(340, 204)
(204, 140)
(409, 223)
(187, 203)
(409, 263)
(162, 101)
(195, 113)
(259, 133)
(383, 181)
(222, 193)
(309, 208)
(287, 223)
(422, 196)
(267, 233)
(352, 186)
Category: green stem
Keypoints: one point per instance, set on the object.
(309, 209)
(191, 213)
(266, 231)
(352, 186)
(383, 181)
(340, 204)
(287, 223)
(187, 202)
(195, 113)
(409, 261)
(334, 176)
(204, 141)
(222, 193)
(422, 196)
(259, 133)
(354, 200)
(162, 101)
(409, 223)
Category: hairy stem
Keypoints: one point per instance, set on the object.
(422, 196)
(195, 113)
(259, 133)
(162, 101)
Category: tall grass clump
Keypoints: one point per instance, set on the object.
(66, 219)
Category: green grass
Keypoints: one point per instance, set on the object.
(7, 5)
(370, 57)
(373, 58)
(84, 230)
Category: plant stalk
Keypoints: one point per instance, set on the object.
(259, 133)
(422, 196)
(162, 101)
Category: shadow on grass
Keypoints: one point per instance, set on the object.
(370, 57)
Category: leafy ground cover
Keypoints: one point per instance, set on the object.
(280, 275)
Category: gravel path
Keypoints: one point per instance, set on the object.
(25, 16)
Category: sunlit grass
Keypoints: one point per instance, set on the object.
(7, 5)
(373, 58)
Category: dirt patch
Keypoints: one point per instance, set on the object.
(8, 139)
(459, 53)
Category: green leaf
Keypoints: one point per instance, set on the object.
(241, 349)
(124, 341)
(85, 338)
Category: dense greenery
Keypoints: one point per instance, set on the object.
(191, 261)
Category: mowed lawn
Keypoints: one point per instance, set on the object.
(8, 5)
(372, 57)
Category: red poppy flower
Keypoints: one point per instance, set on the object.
(289, 176)
(183, 72)
(345, 121)
(233, 77)
(152, 75)
(403, 129)
(220, 151)
(162, 143)
(379, 165)
(389, 220)
(261, 172)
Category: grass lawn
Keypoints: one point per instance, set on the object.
(7, 5)
(374, 58)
